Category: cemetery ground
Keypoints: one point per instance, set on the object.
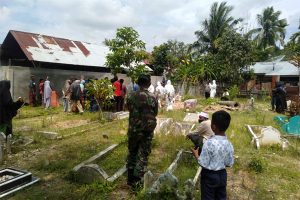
(268, 173)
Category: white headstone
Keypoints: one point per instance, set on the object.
(269, 136)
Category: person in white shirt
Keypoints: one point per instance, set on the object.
(216, 155)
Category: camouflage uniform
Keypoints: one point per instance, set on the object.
(143, 108)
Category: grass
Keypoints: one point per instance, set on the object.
(268, 173)
(114, 160)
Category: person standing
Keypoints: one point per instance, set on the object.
(213, 89)
(8, 108)
(66, 96)
(41, 91)
(47, 93)
(207, 91)
(143, 109)
(123, 94)
(170, 94)
(75, 97)
(117, 94)
(216, 155)
(83, 93)
(151, 89)
(32, 91)
(160, 94)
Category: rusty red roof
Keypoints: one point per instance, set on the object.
(51, 49)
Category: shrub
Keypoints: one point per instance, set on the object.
(233, 92)
(256, 165)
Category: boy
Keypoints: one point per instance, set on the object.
(216, 155)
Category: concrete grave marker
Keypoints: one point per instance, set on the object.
(90, 173)
(163, 125)
(190, 104)
(49, 135)
(191, 117)
(270, 136)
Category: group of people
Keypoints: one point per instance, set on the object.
(41, 94)
(164, 94)
(73, 94)
(278, 101)
(210, 89)
(213, 151)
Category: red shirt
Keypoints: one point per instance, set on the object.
(117, 86)
(41, 87)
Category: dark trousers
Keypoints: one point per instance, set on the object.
(213, 184)
(139, 148)
(118, 102)
(207, 95)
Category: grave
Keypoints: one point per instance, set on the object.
(190, 104)
(191, 117)
(88, 171)
(12, 180)
(266, 135)
(115, 116)
(169, 182)
(163, 125)
(49, 135)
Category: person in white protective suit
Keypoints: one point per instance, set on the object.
(151, 89)
(170, 94)
(160, 94)
(213, 89)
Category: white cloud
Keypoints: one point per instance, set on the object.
(4, 13)
(156, 20)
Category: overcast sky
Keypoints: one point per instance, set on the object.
(156, 20)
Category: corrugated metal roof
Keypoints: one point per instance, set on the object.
(282, 68)
(58, 50)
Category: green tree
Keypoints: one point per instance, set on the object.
(160, 58)
(102, 90)
(127, 52)
(271, 30)
(295, 38)
(168, 56)
(213, 27)
(234, 55)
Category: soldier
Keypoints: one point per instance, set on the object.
(143, 108)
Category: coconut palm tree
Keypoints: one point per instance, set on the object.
(271, 30)
(295, 38)
(214, 26)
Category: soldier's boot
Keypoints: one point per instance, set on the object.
(130, 177)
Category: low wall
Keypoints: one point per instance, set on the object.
(20, 77)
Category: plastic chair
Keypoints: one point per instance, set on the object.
(293, 126)
(281, 120)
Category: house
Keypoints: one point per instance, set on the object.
(23, 54)
(268, 73)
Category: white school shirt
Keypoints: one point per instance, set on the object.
(217, 153)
